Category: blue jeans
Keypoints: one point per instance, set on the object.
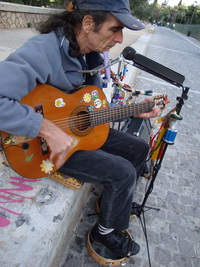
(116, 165)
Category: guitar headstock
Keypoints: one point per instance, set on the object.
(161, 101)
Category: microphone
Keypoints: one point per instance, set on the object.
(129, 53)
(153, 67)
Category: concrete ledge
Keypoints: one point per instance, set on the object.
(22, 16)
(151, 29)
(141, 48)
(26, 9)
(37, 218)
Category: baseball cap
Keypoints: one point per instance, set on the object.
(120, 9)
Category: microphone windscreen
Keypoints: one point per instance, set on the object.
(128, 53)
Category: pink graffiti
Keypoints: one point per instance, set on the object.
(6, 195)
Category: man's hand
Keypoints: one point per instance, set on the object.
(58, 141)
(155, 112)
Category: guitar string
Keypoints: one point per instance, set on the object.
(99, 113)
(102, 116)
(96, 116)
(87, 121)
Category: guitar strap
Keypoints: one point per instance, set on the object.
(84, 67)
(89, 62)
(66, 180)
(1, 145)
(58, 176)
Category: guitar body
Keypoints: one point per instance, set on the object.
(71, 112)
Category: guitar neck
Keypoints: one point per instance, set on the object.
(117, 113)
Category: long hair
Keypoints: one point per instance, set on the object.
(71, 23)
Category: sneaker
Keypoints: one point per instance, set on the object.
(121, 244)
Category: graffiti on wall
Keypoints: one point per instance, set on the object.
(14, 195)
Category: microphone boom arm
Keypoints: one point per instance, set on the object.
(152, 67)
(139, 61)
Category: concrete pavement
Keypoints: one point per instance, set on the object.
(11, 39)
(37, 217)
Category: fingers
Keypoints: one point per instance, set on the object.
(60, 152)
(58, 141)
(60, 160)
(155, 112)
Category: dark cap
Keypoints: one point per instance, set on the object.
(120, 9)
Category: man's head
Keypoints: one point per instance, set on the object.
(102, 38)
(120, 9)
(99, 23)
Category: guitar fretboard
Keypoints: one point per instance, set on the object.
(102, 116)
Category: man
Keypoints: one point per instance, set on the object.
(69, 42)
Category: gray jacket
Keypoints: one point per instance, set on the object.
(42, 59)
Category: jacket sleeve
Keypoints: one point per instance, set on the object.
(33, 63)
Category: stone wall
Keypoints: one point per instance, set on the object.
(22, 16)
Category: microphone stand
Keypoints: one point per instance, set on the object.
(139, 209)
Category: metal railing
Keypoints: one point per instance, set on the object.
(192, 30)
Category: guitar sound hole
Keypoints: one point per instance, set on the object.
(80, 121)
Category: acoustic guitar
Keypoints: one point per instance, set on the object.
(84, 115)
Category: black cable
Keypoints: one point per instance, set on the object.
(143, 224)
(12, 146)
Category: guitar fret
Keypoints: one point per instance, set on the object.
(117, 113)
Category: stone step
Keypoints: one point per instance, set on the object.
(37, 218)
